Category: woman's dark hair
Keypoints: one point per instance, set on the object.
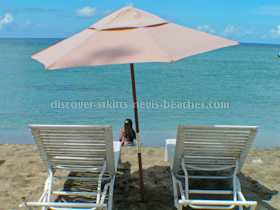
(129, 132)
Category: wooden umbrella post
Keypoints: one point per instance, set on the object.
(137, 130)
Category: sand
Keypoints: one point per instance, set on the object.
(23, 175)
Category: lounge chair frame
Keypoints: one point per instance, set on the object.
(65, 148)
(219, 139)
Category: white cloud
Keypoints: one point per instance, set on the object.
(268, 10)
(107, 12)
(6, 20)
(206, 28)
(87, 12)
(130, 4)
(236, 31)
(273, 33)
(228, 31)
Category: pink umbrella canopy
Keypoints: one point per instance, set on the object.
(130, 35)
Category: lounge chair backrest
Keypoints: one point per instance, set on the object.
(210, 142)
(75, 146)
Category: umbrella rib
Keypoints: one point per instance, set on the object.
(110, 21)
(167, 55)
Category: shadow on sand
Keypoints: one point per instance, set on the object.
(2, 162)
(159, 190)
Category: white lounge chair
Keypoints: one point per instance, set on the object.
(200, 150)
(78, 148)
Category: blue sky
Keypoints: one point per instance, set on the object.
(250, 21)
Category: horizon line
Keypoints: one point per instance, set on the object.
(68, 37)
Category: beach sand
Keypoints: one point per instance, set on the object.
(23, 175)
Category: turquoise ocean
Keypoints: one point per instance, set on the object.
(237, 85)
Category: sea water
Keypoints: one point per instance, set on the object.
(237, 85)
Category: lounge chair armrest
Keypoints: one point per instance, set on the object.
(218, 204)
(56, 204)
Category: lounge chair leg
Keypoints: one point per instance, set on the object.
(180, 206)
(46, 192)
(111, 192)
(24, 201)
(175, 190)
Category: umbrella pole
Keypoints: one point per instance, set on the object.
(137, 130)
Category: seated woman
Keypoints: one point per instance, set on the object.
(127, 134)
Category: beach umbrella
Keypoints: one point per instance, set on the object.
(130, 36)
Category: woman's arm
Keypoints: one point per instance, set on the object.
(122, 132)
